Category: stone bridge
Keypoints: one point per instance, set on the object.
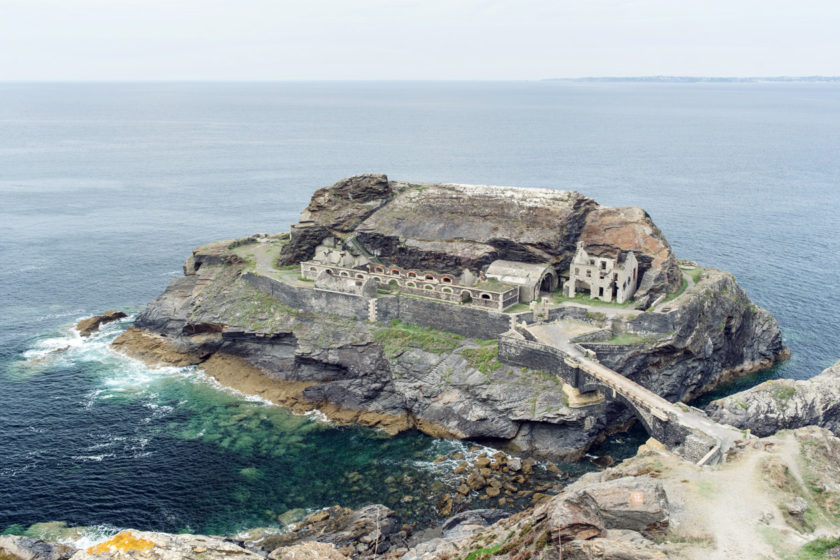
(683, 429)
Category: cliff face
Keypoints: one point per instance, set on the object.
(448, 228)
(781, 404)
(708, 335)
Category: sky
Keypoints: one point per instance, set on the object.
(414, 39)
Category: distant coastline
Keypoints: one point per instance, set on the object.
(699, 79)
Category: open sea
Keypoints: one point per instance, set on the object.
(105, 189)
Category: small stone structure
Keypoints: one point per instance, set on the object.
(607, 273)
(328, 280)
(489, 294)
(532, 279)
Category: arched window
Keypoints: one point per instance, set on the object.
(412, 275)
(344, 273)
(395, 271)
(429, 276)
(447, 290)
(466, 296)
(329, 272)
(313, 269)
(485, 296)
(428, 287)
(446, 279)
(410, 285)
(379, 269)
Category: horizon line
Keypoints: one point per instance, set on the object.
(638, 78)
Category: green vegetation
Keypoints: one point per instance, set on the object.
(817, 549)
(783, 392)
(629, 339)
(583, 297)
(288, 267)
(482, 553)
(518, 308)
(696, 273)
(596, 315)
(679, 292)
(485, 359)
(399, 336)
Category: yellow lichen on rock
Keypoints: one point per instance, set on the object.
(125, 541)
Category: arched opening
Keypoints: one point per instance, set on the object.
(429, 276)
(412, 275)
(446, 280)
(393, 285)
(313, 269)
(485, 296)
(329, 271)
(428, 287)
(360, 276)
(447, 290)
(466, 296)
(411, 285)
(344, 273)
(379, 269)
(395, 271)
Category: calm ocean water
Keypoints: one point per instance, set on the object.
(105, 188)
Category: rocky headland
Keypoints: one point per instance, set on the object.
(687, 330)
(780, 404)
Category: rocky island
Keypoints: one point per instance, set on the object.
(463, 311)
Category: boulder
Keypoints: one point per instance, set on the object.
(131, 545)
(24, 548)
(87, 327)
(634, 503)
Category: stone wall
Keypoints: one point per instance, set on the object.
(308, 299)
(463, 320)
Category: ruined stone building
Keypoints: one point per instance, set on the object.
(606, 272)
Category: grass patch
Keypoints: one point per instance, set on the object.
(484, 359)
(399, 336)
(596, 315)
(783, 393)
(288, 267)
(695, 273)
(629, 338)
(679, 292)
(518, 308)
(583, 298)
(816, 549)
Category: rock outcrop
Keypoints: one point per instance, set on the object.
(396, 377)
(781, 404)
(87, 327)
(450, 227)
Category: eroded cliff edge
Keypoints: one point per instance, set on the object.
(243, 312)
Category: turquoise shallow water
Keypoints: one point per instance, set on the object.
(105, 188)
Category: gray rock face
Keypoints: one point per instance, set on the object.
(448, 228)
(25, 548)
(711, 333)
(784, 404)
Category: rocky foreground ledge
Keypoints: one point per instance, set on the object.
(776, 498)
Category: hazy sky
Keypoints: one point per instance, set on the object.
(414, 39)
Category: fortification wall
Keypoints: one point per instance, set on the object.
(308, 299)
(466, 321)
